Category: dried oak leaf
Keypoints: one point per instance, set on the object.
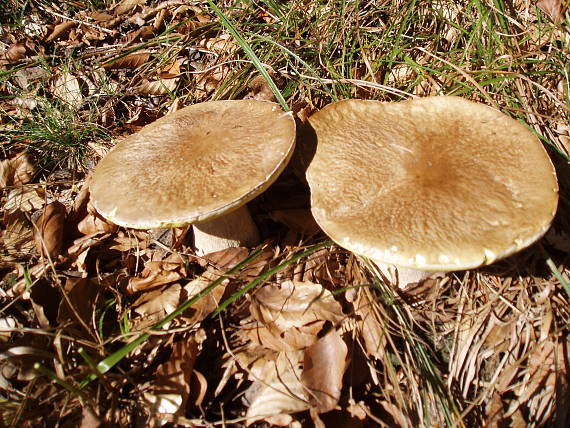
(369, 324)
(169, 392)
(16, 52)
(552, 8)
(170, 71)
(157, 273)
(206, 304)
(128, 6)
(156, 87)
(16, 171)
(66, 88)
(130, 61)
(220, 45)
(155, 305)
(226, 259)
(83, 243)
(7, 324)
(77, 309)
(94, 223)
(48, 230)
(323, 369)
(279, 392)
(24, 198)
(21, 288)
(89, 418)
(209, 81)
(290, 315)
(18, 236)
(132, 240)
(61, 30)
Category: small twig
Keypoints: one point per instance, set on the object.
(357, 82)
(98, 27)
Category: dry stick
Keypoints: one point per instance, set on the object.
(356, 82)
(98, 27)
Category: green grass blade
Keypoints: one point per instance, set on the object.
(51, 375)
(297, 58)
(113, 359)
(251, 55)
(558, 275)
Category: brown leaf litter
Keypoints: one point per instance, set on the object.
(323, 342)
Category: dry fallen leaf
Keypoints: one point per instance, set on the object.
(76, 311)
(280, 392)
(23, 168)
(323, 369)
(130, 61)
(127, 6)
(85, 242)
(208, 303)
(48, 230)
(156, 87)
(89, 418)
(220, 45)
(157, 273)
(93, 223)
(169, 392)
(553, 8)
(66, 87)
(16, 171)
(209, 81)
(291, 315)
(259, 90)
(155, 305)
(369, 324)
(60, 30)
(6, 325)
(26, 199)
(170, 71)
(16, 52)
(17, 238)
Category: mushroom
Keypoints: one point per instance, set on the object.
(434, 184)
(199, 165)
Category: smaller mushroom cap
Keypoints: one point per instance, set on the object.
(437, 183)
(193, 165)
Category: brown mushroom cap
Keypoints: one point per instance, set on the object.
(437, 183)
(193, 165)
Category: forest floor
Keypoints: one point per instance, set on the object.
(107, 326)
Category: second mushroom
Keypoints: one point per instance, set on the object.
(432, 184)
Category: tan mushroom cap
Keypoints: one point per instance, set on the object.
(193, 165)
(437, 183)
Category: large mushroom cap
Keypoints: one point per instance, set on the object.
(193, 165)
(438, 183)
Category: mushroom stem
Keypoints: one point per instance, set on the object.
(402, 276)
(235, 229)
